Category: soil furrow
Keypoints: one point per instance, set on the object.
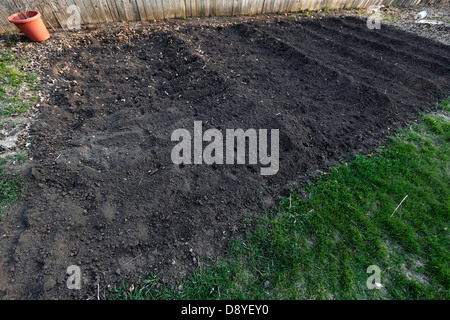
(358, 63)
(420, 46)
(385, 52)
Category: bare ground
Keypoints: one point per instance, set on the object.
(101, 191)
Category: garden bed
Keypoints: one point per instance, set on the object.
(101, 191)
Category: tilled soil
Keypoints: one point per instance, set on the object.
(102, 192)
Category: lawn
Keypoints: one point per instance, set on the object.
(10, 183)
(17, 94)
(17, 86)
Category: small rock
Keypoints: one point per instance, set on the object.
(49, 284)
(266, 284)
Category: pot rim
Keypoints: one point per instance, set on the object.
(13, 18)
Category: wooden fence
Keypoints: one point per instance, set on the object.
(56, 13)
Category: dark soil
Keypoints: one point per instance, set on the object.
(102, 192)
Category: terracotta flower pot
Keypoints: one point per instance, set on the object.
(31, 25)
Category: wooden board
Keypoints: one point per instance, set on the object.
(141, 10)
(256, 7)
(54, 12)
(94, 9)
(202, 8)
(145, 10)
(46, 13)
(169, 9)
(157, 9)
(6, 11)
(127, 10)
(86, 16)
(61, 12)
(180, 8)
(108, 10)
(222, 8)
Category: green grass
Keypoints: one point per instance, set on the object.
(10, 185)
(17, 86)
(17, 94)
(319, 247)
(390, 17)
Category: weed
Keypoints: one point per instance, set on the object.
(16, 85)
(9, 187)
(391, 17)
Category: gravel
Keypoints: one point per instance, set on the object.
(403, 18)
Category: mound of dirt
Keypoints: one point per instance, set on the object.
(102, 192)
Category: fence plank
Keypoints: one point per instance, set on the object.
(6, 25)
(157, 8)
(104, 10)
(59, 8)
(223, 8)
(7, 10)
(278, 6)
(46, 12)
(237, 7)
(287, 5)
(180, 9)
(270, 6)
(196, 8)
(246, 7)
(169, 9)
(86, 15)
(54, 12)
(255, 7)
(62, 13)
(2, 30)
(127, 10)
(109, 10)
(94, 7)
(141, 10)
(188, 5)
(12, 6)
(206, 5)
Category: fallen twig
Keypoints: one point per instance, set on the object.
(398, 205)
(133, 259)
